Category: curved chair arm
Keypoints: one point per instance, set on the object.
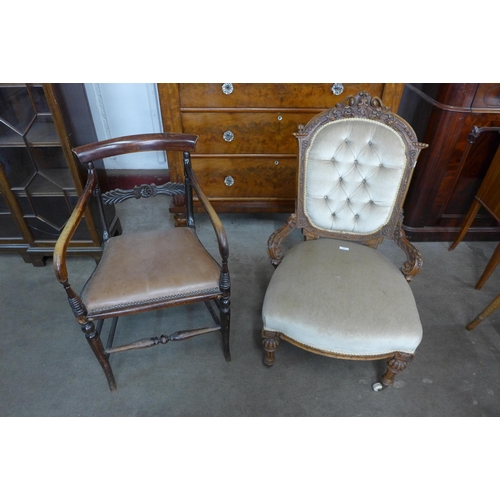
(135, 144)
(70, 228)
(414, 260)
(220, 232)
(274, 242)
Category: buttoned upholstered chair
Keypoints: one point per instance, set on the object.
(334, 293)
(149, 270)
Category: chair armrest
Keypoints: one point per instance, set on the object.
(220, 232)
(274, 249)
(414, 260)
(70, 228)
(135, 144)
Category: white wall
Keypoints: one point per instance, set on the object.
(120, 109)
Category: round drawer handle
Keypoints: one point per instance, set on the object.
(229, 181)
(276, 162)
(227, 88)
(228, 136)
(337, 88)
(280, 118)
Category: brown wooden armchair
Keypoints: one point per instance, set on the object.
(149, 270)
(334, 294)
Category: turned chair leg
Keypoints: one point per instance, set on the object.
(225, 327)
(95, 343)
(270, 342)
(494, 305)
(395, 365)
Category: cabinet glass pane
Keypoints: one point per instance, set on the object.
(42, 132)
(18, 166)
(16, 108)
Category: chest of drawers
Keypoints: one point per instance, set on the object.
(246, 157)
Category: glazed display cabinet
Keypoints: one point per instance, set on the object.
(40, 180)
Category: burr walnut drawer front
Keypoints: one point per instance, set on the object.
(270, 95)
(245, 133)
(246, 177)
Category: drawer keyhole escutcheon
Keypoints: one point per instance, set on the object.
(228, 136)
(337, 88)
(229, 181)
(227, 88)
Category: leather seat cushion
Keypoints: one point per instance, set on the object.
(142, 268)
(350, 302)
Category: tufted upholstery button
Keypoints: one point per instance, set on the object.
(340, 179)
(333, 214)
(326, 197)
(348, 200)
(364, 181)
(381, 166)
(357, 216)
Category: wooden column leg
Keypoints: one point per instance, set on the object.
(473, 210)
(95, 343)
(490, 267)
(270, 342)
(495, 304)
(395, 365)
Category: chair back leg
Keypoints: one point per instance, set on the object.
(490, 267)
(493, 306)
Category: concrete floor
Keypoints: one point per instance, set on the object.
(47, 368)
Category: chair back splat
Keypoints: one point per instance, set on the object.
(150, 270)
(334, 294)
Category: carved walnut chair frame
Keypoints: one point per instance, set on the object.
(367, 107)
(91, 325)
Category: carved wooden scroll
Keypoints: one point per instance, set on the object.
(143, 191)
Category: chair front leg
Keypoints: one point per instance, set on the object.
(94, 340)
(225, 316)
(395, 365)
(270, 342)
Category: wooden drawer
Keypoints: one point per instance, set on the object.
(269, 95)
(250, 177)
(249, 133)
